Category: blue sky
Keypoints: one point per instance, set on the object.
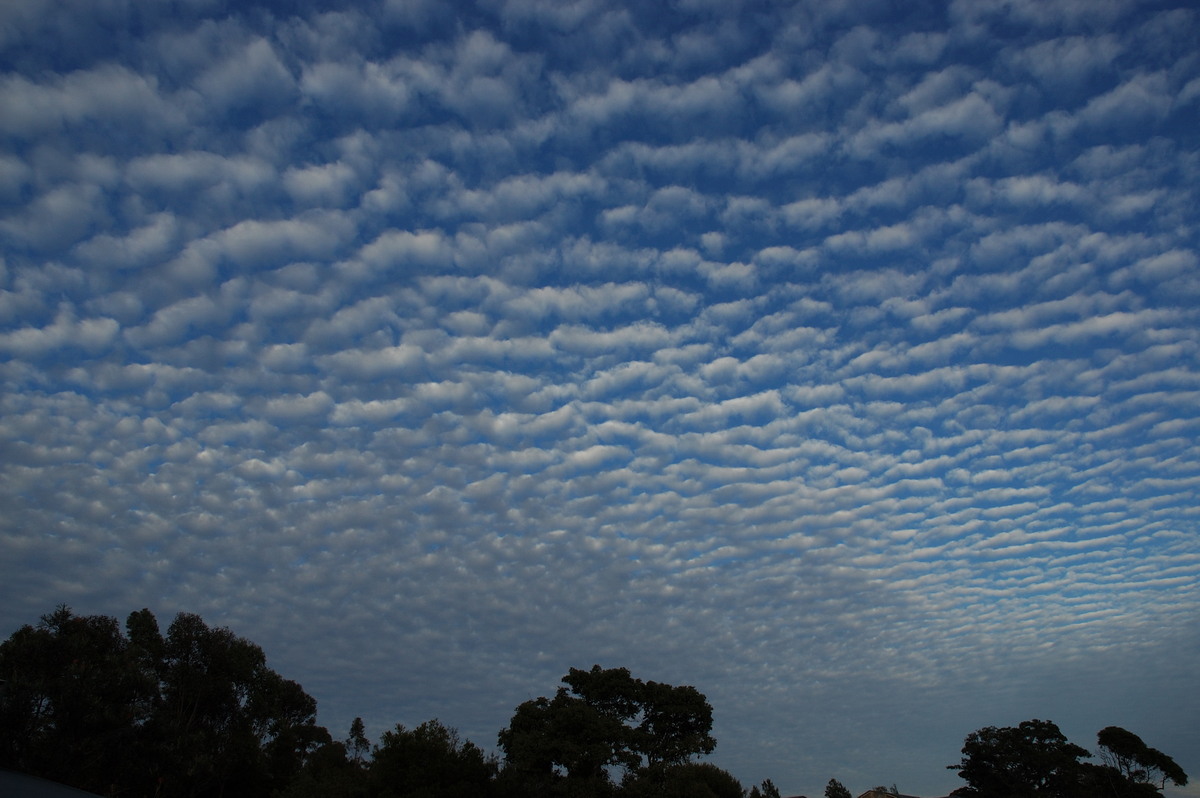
(839, 359)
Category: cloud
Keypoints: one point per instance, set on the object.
(327, 184)
(105, 94)
(58, 218)
(142, 246)
(376, 93)
(1066, 66)
(189, 171)
(1144, 97)
(401, 359)
(835, 360)
(971, 118)
(577, 303)
(252, 76)
(624, 340)
(403, 251)
(89, 335)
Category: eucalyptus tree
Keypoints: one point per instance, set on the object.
(193, 713)
(604, 721)
(1035, 759)
(835, 789)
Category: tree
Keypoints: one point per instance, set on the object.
(688, 780)
(430, 761)
(357, 743)
(766, 790)
(603, 720)
(195, 713)
(74, 701)
(1137, 762)
(328, 773)
(552, 741)
(228, 723)
(675, 724)
(1130, 769)
(1035, 759)
(835, 789)
(1032, 759)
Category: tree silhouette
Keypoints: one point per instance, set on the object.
(75, 698)
(194, 713)
(430, 761)
(766, 790)
(1137, 762)
(357, 743)
(688, 780)
(835, 789)
(1032, 759)
(606, 720)
(1035, 759)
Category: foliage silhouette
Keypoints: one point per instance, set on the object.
(687, 780)
(1137, 762)
(766, 790)
(194, 713)
(835, 789)
(606, 721)
(1035, 759)
(197, 713)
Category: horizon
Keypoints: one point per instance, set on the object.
(124, 631)
(840, 360)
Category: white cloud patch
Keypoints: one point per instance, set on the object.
(107, 93)
(90, 335)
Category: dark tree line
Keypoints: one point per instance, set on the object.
(196, 713)
(193, 712)
(1035, 760)
(605, 734)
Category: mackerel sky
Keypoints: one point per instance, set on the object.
(841, 359)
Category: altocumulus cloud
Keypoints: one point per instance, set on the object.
(842, 362)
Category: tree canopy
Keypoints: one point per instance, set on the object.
(835, 789)
(430, 761)
(1035, 759)
(605, 719)
(1136, 762)
(1032, 759)
(196, 712)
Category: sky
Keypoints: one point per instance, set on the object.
(839, 359)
